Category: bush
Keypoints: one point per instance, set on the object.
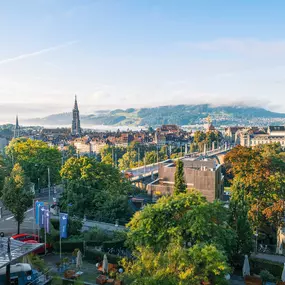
(257, 265)
(96, 234)
(68, 246)
(93, 243)
(95, 256)
(113, 244)
(55, 223)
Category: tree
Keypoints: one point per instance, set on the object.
(186, 218)
(17, 195)
(179, 181)
(177, 265)
(128, 160)
(258, 178)
(181, 239)
(96, 190)
(151, 157)
(36, 157)
(4, 171)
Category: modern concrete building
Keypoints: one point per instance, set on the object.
(202, 175)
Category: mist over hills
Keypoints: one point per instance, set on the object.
(179, 114)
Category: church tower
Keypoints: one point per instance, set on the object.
(75, 128)
(17, 128)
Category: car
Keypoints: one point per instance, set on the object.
(32, 238)
(129, 175)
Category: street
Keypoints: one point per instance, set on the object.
(8, 225)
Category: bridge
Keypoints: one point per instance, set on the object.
(144, 173)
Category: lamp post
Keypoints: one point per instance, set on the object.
(48, 186)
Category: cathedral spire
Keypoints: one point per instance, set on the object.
(17, 128)
(75, 104)
(75, 128)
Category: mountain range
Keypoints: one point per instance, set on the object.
(177, 114)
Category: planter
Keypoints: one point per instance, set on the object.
(252, 280)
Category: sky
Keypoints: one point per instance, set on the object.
(139, 53)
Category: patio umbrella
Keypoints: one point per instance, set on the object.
(283, 274)
(105, 264)
(79, 259)
(246, 268)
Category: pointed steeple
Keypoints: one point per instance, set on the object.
(75, 128)
(17, 128)
(75, 104)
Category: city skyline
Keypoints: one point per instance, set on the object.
(120, 54)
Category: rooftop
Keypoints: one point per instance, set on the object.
(17, 249)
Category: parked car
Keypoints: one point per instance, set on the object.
(32, 238)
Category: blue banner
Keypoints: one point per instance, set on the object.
(37, 211)
(63, 218)
(42, 217)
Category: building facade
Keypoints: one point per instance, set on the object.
(202, 175)
(75, 128)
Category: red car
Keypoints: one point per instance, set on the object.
(32, 238)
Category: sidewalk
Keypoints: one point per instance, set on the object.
(270, 257)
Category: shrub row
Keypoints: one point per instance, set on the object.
(113, 244)
(95, 256)
(257, 265)
(68, 246)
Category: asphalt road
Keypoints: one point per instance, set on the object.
(8, 225)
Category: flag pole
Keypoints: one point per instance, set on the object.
(45, 239)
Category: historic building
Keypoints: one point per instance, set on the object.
(17, 128)
(256, 136)
(75, 128)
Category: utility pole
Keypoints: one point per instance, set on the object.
(113, 156)
(138, 156)
(157, 153)
(48, 186)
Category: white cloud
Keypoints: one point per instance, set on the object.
(36, 53)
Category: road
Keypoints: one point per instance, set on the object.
(154, 167)
(8, 225)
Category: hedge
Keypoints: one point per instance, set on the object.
(257, 265)
(93, 243)
(68, 246)
(95, 256)
(106, 245)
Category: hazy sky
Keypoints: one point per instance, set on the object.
(123, 53)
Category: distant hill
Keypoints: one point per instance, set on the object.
(179, 114)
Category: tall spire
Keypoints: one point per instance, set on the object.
(75, 128)
(17, 128)
(75, 103)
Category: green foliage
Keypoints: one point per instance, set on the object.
(35, 157)
(96, 190)
(257, 265)
(267, 276)
(116, 244)
(4, 171)
(128, 160)
(68, 246)
(179, 181)
(240, 222)
(185, 219)
(37, 262)
(177, 265)
(258, 182)
(94, 256)
(16, 194)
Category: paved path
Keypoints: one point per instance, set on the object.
(271, 257)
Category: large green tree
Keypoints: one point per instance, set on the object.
(128, 160)
(17, 195)
(186, 219)
(179, 181)
(36, 157)
(96, 190)
(182, 239)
